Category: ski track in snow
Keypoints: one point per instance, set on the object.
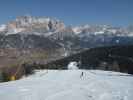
(68, 85)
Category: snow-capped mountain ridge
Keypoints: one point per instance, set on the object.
(2, 27)
(44, 25)
(32, 24)
(101, 29)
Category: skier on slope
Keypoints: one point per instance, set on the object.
(81, 74)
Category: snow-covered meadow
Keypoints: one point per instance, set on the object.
(70, 85)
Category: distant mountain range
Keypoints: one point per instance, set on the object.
(27, 36)
(20, 32)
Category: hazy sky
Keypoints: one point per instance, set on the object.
(116, 12)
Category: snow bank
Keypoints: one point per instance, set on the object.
(73, 65)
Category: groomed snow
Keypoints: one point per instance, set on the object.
(70, 85)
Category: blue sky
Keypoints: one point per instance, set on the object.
(72, 12)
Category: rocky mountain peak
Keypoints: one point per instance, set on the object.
(33, 24)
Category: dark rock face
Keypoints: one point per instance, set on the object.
(26, 42)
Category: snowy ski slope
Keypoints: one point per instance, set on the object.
(70, 85)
